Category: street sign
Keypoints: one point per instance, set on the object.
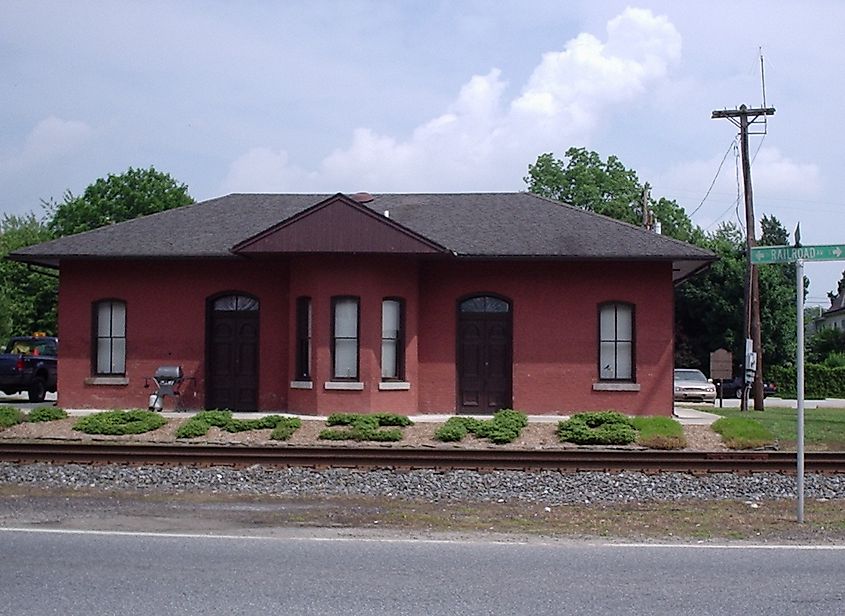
(791, 254)
(797, 255)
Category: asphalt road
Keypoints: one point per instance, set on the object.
(89, 573)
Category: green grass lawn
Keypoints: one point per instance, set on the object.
(824, 428)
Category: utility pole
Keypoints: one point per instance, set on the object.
(648, 217)
(742, 118)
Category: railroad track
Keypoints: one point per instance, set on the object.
(650, 461)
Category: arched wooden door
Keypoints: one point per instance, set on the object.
(484, 355)
(232, 362)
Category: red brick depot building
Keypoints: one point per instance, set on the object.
(406, 303)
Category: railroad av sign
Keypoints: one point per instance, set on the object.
(797, 255)
(791, 254)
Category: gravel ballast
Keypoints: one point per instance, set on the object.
(548, 487)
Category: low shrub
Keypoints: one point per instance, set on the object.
(743, 433)
(9, 416)
(599, 428)
(455, 429)
(659, 432)
(365, 427)
(135, 421)
(199, 424)
(193, 428)
(504, 427)
(46, 413)
(268, 422)
(285, 428)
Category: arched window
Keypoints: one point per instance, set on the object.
(484, 303)
(235, 303)
(109, 357)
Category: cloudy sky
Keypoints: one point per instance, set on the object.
(428, 96)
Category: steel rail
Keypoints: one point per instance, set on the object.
(565, 460)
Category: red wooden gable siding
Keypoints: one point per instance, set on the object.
(337, 226)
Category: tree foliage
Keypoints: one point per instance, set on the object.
(27, 297)
(824, 343)
(709, 307)
(116, 198)
(605, 187)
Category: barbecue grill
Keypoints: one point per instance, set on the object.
(167, 380)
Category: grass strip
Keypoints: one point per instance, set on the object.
(659, 432)
(824, 428)
(743, 433)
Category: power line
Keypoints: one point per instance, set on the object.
(715, 177)
(738, 191)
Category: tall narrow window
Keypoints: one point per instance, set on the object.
(345, 337)
(392, 330)
(616, 342)
(110, 337)
(303, 339)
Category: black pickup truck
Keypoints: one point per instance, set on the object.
(28, 363)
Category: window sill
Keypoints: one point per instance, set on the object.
(106, 380)
(394, 386)
(606, 386)
(301, 385)
(344, 385)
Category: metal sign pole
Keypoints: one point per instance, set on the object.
(799, 378)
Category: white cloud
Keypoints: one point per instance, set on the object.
(483, 141)
(778, 176)
(264, 170)
(775, 178)
(51, 138)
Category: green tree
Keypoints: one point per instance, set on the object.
(116, 198)
(824, 343)
(605, 187)
(27, 296)
(709, 307)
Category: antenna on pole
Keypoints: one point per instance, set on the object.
(763, 86)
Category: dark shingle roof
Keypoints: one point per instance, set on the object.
(467, 224)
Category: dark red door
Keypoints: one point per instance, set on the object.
(232, 368)
(484, 355)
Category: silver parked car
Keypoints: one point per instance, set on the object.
(691, 384)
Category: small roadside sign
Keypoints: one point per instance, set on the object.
(791, 254)
(721, 364)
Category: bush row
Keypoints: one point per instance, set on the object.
(614, 428)
(379, 427)
(820, 381)
(502, 428)
(199, 425)
(597, 428)
(10, 416)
